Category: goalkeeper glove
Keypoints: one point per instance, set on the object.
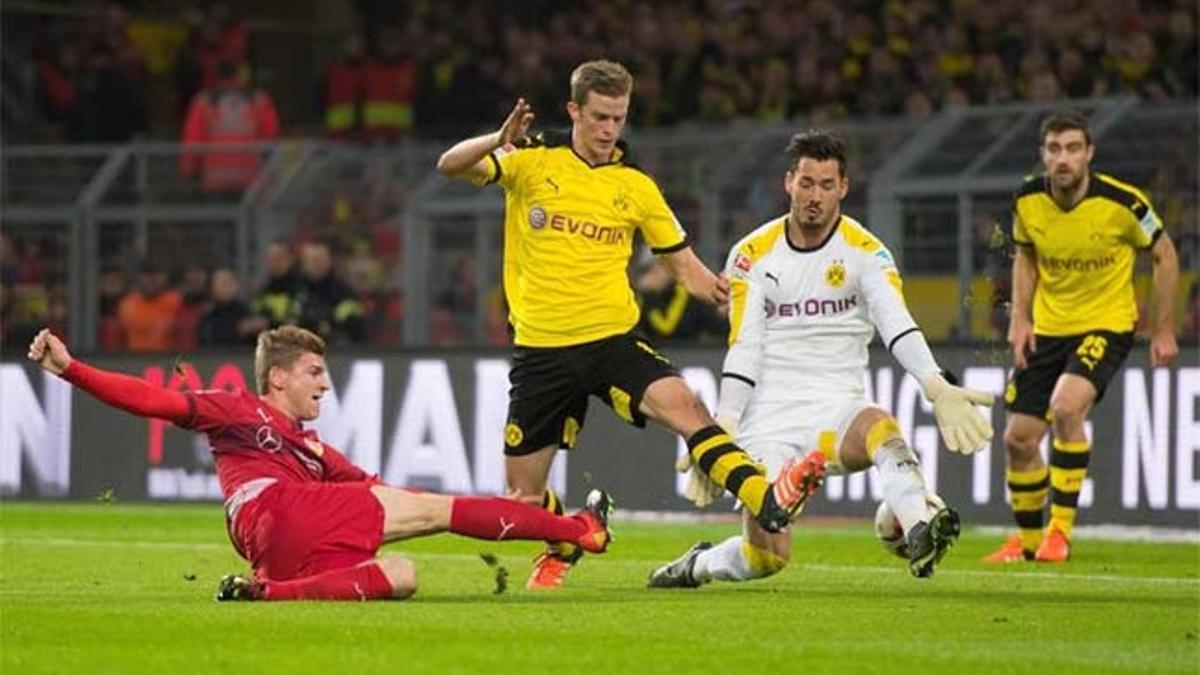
(962, 427)
(702, 490)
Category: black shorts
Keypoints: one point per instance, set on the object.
(1097, 355)
(548, 399)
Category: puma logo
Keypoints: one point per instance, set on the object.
(504, 528)
(772, 277)
(552, 184)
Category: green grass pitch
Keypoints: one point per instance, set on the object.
(101, 588)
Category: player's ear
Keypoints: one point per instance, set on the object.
(844, 188)
(573, 111)
(1091, 152)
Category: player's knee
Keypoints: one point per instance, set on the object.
(765, 561)
(1068, 416)
(1019, 445)
(401, 573)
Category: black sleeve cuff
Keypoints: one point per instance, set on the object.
(673, 248)
(896, 339)
(735, 376)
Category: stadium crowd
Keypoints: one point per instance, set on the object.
(438, 68)
(458, 66)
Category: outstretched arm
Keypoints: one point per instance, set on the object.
(120, 391)
(695, 276)
(465, 161)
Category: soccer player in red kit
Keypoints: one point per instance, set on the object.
(308, 520)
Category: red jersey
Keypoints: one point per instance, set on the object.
(251, 439)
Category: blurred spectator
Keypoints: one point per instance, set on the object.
(670, 314)
(148, 314)
(193, 287)
(345, 91)
(228, 114)
(113, 287)
(390, 82)
(58, 86)
(277, 300)
(110, 105)
(217, 36)
(228, 320)
(327, 307)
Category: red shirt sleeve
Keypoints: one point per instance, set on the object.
(128, 393)
(211, 409)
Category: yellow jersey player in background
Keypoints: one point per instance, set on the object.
(573, 201)
(1077, 233)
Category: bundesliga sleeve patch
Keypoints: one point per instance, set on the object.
(1149, 223)
(742, 263)
(506, 149)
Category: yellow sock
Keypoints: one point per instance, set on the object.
(1028, 493)
(714, 452)
(762, 562)
(1068, 468)
(552, 503)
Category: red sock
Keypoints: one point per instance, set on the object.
(364, 582)
(498, 518)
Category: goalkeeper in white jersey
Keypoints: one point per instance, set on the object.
(808, 292)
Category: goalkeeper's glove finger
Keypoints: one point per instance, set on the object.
(701, 490)
(978, 397)
(683, 463)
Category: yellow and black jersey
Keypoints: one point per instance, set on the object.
(568, 235)
(1085, 254)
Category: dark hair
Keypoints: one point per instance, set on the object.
(1065, 120)
(816, 144)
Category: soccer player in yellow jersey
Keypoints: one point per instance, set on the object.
(573, 201)
(1077, 233)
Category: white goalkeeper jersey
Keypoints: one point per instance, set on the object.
(801, 318)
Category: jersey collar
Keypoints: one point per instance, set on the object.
(1090, 192)
(800, 249)
(562, 138)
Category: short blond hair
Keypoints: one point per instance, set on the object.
(607, 78)
(282, 347)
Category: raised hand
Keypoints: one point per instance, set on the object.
(49, 352)
(517, 123)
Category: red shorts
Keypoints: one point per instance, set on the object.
(299, 529)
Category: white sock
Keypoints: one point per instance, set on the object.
(723, 562)
(903, 483)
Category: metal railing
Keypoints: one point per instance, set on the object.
(932, 190)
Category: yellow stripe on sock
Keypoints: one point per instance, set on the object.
(1026, 477)
(827, 444)
(880, 433)
(1063, 518)
(1030, 539)
(699, 450)
(1029, 501)
(753, 489)
(1072, 446)
(762, 562)
(1067, 480)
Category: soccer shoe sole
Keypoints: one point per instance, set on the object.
(941, 533)
(600, 505)
(233, 588)
(678, 573)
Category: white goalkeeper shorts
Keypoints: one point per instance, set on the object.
(772, 434)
